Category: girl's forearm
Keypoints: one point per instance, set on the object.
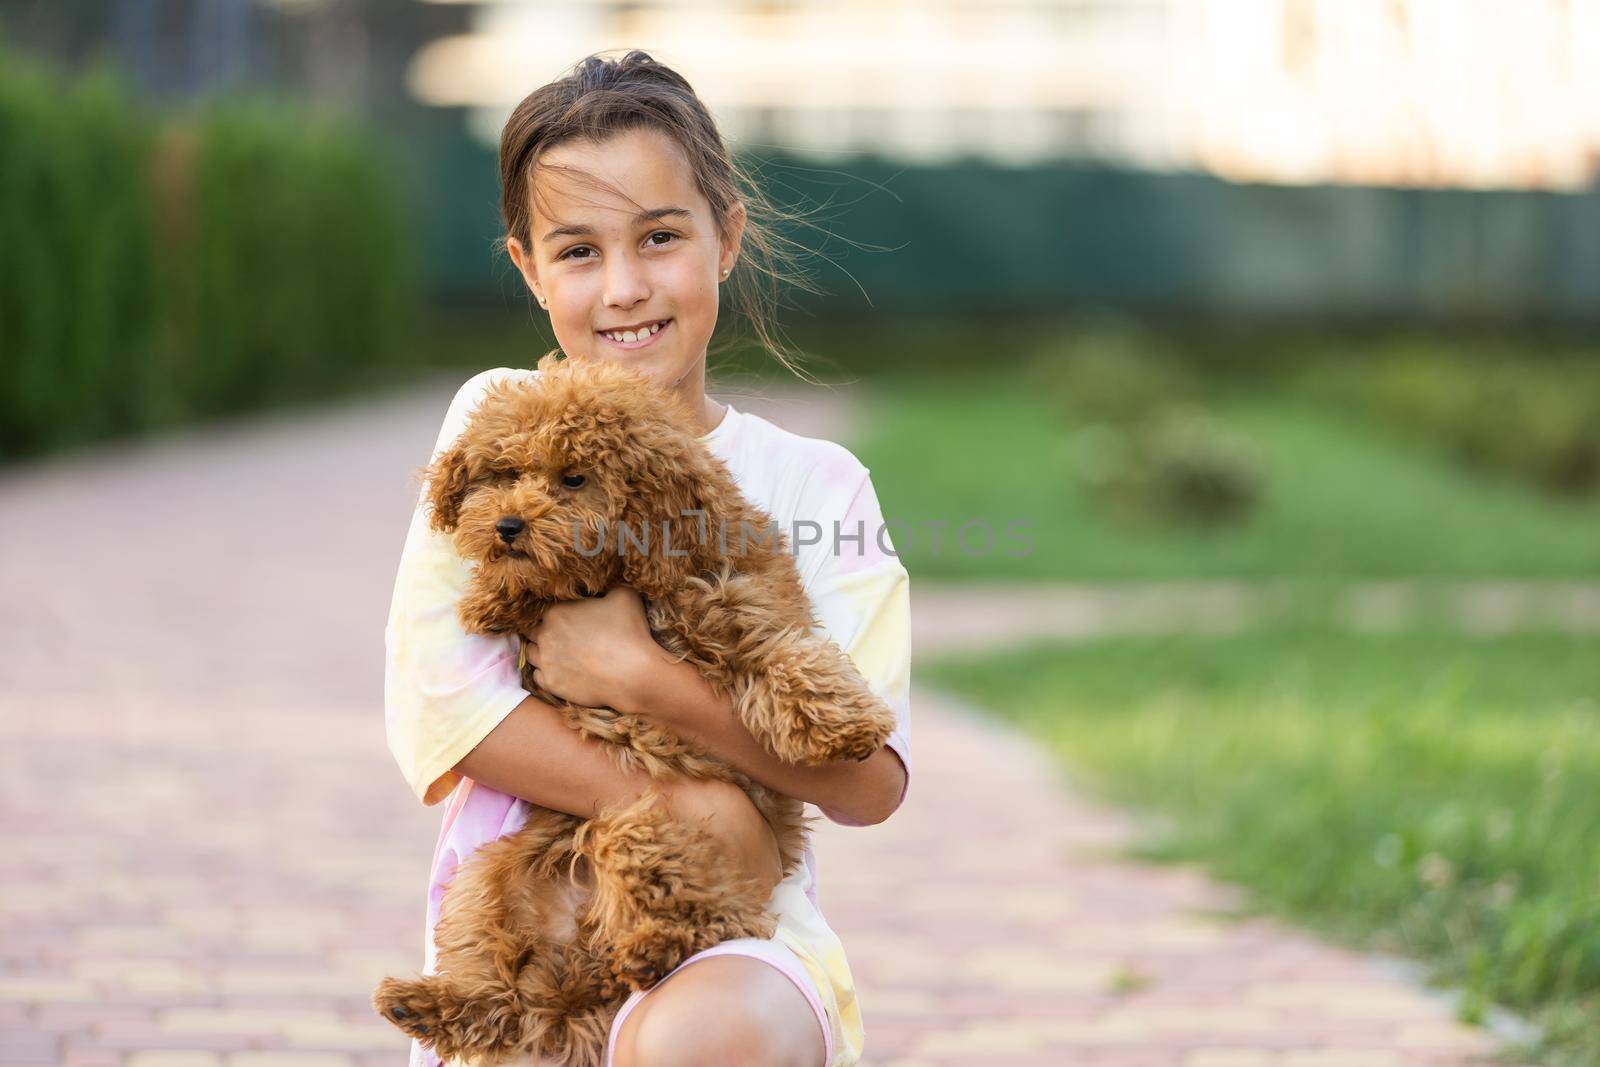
(535, 755)
(679, 696)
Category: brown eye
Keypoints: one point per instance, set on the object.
(573, 481)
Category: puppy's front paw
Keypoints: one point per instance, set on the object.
(863, 735)
(409, 1005)
(853, 738)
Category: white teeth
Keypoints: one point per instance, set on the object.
(627, 337)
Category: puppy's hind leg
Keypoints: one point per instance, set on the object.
(489, 933)
(663, 891)
(438, 1012)
(567, 1004)
(559, 1006)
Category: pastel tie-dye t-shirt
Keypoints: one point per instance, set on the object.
(445, 689)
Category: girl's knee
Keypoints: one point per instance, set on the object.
(749, 1016)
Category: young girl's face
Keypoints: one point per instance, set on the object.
(599, 267)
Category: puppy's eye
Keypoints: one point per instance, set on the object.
(573, 481)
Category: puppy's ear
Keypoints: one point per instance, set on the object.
(678, 504)
(447, 477)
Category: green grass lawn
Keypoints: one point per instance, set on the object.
(1425, 792)
(1343, 500)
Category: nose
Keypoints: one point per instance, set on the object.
(625, 282)
(508, 528)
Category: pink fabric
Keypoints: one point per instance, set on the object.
(772, 952)
(474, 816)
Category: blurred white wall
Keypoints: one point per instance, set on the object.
(1472, 93)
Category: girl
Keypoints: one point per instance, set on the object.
(623, 216)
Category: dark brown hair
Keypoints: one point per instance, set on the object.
(602, 97)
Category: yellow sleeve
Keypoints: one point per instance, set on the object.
(862, 597)
(443, 688)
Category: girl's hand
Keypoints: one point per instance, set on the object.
(597, 652)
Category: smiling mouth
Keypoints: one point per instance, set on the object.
(640, 339)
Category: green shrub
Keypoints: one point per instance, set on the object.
(1534, 416)
(1110, 371)
(288, 272)
(1178, 465)
(1143, 446)
(1541, 423)
(77, 303)
(158, 271)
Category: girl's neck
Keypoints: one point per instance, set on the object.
(712, 414)
(691, 389)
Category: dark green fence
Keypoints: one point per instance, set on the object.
(985, 238)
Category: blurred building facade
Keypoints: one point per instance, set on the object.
(1430, 93)
(347, 55)
(1463, 93)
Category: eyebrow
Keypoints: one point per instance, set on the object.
(643, 216)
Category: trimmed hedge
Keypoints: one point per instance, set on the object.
(160, 269)
(77, 300)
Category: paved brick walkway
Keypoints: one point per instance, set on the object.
(994, 615)
(208, 857)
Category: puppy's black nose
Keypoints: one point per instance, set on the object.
(508, 528)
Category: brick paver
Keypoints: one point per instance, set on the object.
(209, 858)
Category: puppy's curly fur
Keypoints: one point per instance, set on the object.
(562, 487)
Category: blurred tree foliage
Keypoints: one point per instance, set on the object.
(159, 269)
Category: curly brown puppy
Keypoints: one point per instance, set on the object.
(562, 487)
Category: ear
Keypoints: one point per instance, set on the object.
(679, 502)
(447, 479)
(526, 266)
